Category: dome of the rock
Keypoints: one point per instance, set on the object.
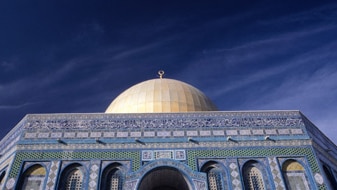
(161, 95)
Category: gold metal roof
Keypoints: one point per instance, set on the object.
(161, 95)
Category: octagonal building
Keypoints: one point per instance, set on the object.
(164, 134)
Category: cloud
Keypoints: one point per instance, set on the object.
(127, 53)
(315, 95)
(306, 83)
(301, 72)
(19, 106)
(276, 53)
(35, 85)
(290, 69)
(7, 66)
(287, 66)
(305, 90)
(90, 31)
(325, 13)
(146, 47)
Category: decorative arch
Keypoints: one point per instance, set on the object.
(167, 167)
(33, 178)
(2, 178)
(163, 178)
(294, 175)
(252, 172)
(113, 177)
(72, 177)
(216, 175)
(329, 175)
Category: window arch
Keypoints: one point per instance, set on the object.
(33, 178)
(112, 177)
(294, 175)
(331, 180)
(252, 176)
(72, 178)
(2, 178)
(216, 177)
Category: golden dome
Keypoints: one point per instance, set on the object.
(161, 95)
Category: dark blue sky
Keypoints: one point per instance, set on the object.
(77, 56)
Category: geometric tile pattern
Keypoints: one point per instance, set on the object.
(74, 155)
(10, 184)
(12, 137)
(36, 128)
(275, 170)
(54, 168)
(82, 134)
(89, 126)
(147, 155)
(130, 185)
(180, 155)
(177, 120)
(93, 177)
(253, 152)
(261, 165)
(181, 166)
(199, 185)
(235, 176)
(192, 156)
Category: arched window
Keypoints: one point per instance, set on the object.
(163, 178)
(331, 180)
(294, 175)
(252, 176)
(33, 178)
(112, 177)
(2, 178)
(216, 177)
(72, 178)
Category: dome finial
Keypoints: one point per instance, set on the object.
(161, 73)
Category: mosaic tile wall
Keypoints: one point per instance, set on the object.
(255, 152)
(273, 119)
(52, 177)
(183, 137)
(74, 155)
(230, 157)
(38, 135)
(276, 172)
(109, 128)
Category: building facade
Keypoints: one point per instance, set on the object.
(164, 134)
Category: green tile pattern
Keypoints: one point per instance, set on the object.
(253, 152)
(192, 155)
(134, 156)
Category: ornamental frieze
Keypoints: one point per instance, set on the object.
(163, 121)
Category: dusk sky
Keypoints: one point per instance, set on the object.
(65, 56)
